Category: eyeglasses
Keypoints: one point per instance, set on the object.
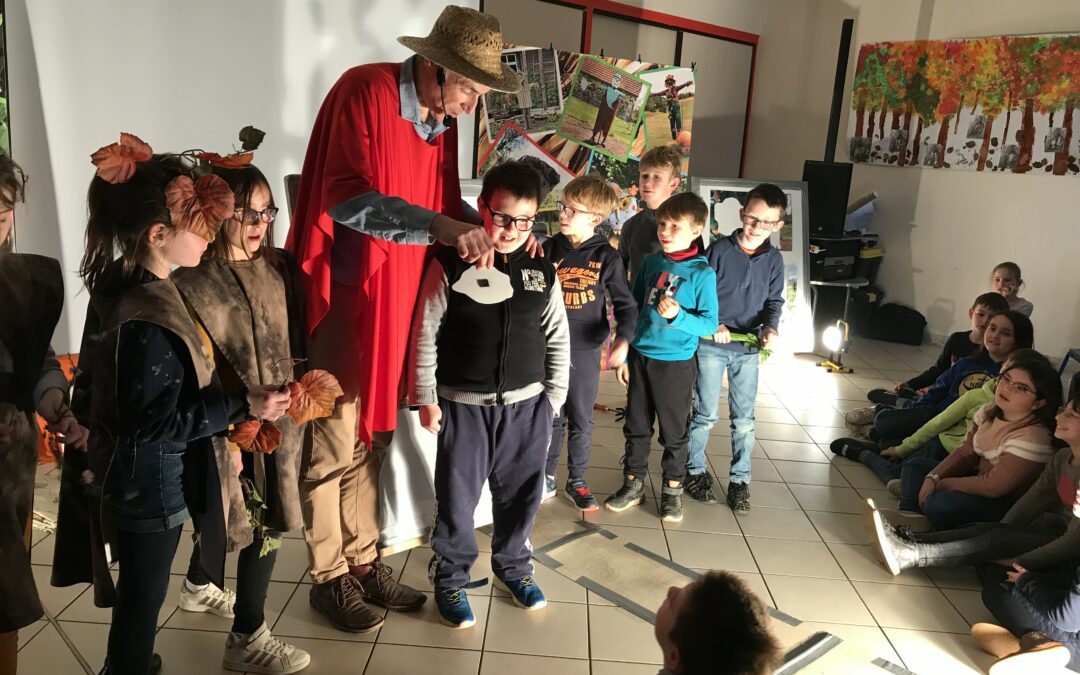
(522, 223)
(247, 217)
(754, 221)
(569, 211)
(1015, 386)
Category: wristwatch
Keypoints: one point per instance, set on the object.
(934, 477)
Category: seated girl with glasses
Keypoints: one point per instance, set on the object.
(1007, 446)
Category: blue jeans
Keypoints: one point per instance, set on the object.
(891, 469)
(947, 510)
(893, 425)
(742, 372)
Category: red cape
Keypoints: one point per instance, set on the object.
(360, 143)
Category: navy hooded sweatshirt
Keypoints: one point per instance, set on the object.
(586, 274)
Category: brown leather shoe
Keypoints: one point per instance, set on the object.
(341, 601)
(381, 589)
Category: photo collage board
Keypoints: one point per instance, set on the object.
(580, 114)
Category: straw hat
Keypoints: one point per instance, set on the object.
(470, 44)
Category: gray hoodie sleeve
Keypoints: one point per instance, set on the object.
(426, 324)
(51, 377)
(557, 358)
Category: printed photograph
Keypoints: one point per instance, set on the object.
(514, 143)
(604, 108)
(535, 109)
(669, 110)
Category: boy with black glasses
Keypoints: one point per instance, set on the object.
(490, 359)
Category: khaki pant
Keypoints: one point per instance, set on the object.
(339, 476)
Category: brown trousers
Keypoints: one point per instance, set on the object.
(339, 476)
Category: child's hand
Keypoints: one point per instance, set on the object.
(268, 402)
(533, 247)
(927, 489)
(622, 375)
(888, 453)
(667, 307)
(1018, 571)
(69, 432)
(722, 336)
(237, 461)
(617, 356)
(431, 418)
(767, 337)
(897, 388)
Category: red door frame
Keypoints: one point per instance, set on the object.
(665, 20)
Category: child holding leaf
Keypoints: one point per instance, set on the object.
(245, 296)
(151, 385)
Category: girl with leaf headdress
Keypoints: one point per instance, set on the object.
(247, 297)
(148, 390)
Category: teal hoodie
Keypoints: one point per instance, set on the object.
(951, 424)
(692, 282)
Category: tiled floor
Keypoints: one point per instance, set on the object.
(802, 547)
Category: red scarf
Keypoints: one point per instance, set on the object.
(680, 256)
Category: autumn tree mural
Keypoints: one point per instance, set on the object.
(985, 104)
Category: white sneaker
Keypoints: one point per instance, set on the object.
(860, 416)
(893, 487)
(261, 652)
(209, 598)
(551, 488)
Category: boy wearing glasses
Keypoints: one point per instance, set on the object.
(590, 272)
(489, 369)
(749, 291)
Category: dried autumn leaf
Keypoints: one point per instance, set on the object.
(236, 161)
(313, 396)
(256, 436)
(199, 206)
(116, 163)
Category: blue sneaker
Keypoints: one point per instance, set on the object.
(526, 594)
(454, 609)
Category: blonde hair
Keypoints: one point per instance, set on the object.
(662, 157)
(592, 192)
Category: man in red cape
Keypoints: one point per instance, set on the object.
(380, 182)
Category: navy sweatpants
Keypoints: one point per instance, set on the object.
(505, 445)
(577, 413)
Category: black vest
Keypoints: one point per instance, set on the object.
(498, 347)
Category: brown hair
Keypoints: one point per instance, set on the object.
(592, 192)
(1047, 386)
(12, 182)
(684, 205)
(663, 157)
(243, 182)
(1013, 268)
(723, 629)
(121, 214)
(992, 301)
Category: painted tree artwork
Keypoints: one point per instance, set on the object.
(985, 104)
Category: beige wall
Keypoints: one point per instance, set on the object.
(943, 231)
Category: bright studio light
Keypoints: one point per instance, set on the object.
(832, 338)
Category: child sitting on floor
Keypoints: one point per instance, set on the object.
(1006, 280)
(715, 626)
(960, 344)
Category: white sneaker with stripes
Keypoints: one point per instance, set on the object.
(263, 653)
(209, 598)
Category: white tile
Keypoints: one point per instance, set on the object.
(618, 635)
(914, 607)
(810, 473)
(939, 653)
(47, 652)
(781, 432)
(870, 638)
(841, 528)
(802, 598)
(496, 663)
(777, 524)
(711, 551)
(560, 629)
(794, 558)
(795, 452)
(388, 659)
(828, 498)
(970, 605)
